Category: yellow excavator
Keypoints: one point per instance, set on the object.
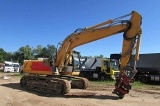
(60, 79)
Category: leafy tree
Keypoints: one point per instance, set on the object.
(17, 57)
(100, 56)
(37, 52)
(86, 57)
(44, 53)
(2, 55)
(24, 53)
(51, 51)
(9, 56)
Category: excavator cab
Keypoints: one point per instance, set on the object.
(74, 65)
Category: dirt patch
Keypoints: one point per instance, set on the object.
(11, 94)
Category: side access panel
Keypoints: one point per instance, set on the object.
(37, 67)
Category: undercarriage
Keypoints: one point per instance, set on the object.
(53, 84)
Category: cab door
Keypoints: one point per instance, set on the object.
(106, 66)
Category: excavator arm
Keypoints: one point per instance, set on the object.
(131, 41)
(130, 28)
(131, 44)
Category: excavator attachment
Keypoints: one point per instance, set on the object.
(122, 86)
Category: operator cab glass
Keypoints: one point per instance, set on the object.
(15, 65)
(8, 65)
(76, 61)
(114, 64)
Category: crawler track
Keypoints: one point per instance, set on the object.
(77, 82)
(46, 84)
(53, 84)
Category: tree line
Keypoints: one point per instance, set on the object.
(27, 52)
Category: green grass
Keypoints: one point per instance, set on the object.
(139, 85)
(103, 82)
(1, 71)
(135, 85)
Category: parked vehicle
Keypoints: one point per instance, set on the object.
(100, 69)
(11, 66)
(16, 67)
(148, 67)
(8, 66)
(1, 66)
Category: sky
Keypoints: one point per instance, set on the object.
(43, 22)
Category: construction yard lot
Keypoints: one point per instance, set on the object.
(97, 94)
